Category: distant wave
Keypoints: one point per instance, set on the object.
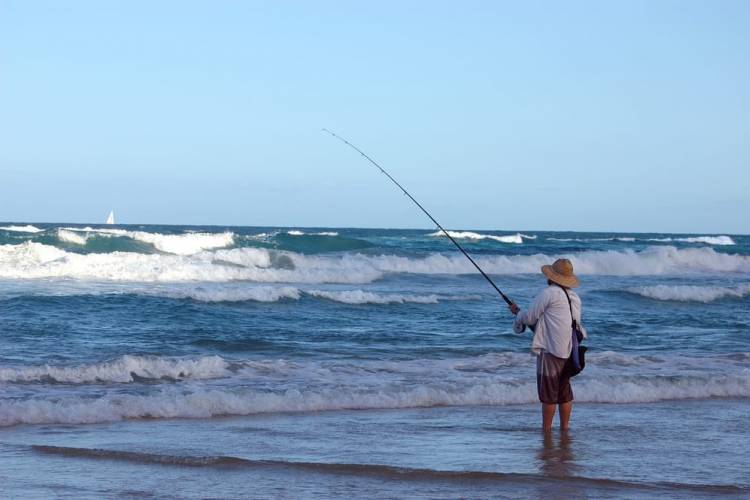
(36, 260)
(22, 229)
(363, 297)
(691, 293)
(215, 293)
(274, 294)
(469, 235)
(658, 260)
(710, 240)
(255, 294)
(178, 244)
(621, 238)
(295, 232)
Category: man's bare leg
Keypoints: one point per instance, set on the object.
(565, 410)
(548, 414)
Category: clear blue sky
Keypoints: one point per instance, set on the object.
(613, 116)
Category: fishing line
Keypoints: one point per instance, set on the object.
(505, 297)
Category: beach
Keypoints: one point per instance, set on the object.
(261, 362)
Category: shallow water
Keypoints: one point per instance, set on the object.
(351, 362)
(420, 453)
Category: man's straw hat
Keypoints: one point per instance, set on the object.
(561, 272)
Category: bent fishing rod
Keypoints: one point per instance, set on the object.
(355, 148)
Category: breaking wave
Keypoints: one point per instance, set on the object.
(124, 369)
(72, 237)
(254, 294)
(22, 229)
(295, 232)
(709, 240)
(363, 297)
(274, 294)
(178, 244)
(216, 387)
(207, 403)
(626, 239)
(36, 260)
(691, 293)
(469, 235)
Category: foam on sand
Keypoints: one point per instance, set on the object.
(691, 293)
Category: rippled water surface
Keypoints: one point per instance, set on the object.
(333, 362)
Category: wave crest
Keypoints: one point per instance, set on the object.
(691, 293)
(207, 403)
(36, 260)
(469, 235)
(179, 244)
(22, 229)
(124, 369)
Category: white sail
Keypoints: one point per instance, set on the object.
(111, 218)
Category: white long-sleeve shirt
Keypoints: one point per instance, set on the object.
(550, 315)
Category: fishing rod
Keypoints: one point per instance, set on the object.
(505, 297)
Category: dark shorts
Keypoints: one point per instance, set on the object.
(552, 384)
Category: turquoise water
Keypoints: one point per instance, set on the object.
(362, 362)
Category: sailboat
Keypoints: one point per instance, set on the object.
(111, 218)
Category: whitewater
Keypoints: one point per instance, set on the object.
(263, 345)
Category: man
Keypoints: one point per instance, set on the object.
(550, 318)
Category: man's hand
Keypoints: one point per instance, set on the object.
(514, 309)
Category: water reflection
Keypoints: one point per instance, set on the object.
(556, 455)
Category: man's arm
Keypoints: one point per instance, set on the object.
(532, 315)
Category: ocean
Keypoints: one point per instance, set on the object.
(255, 362)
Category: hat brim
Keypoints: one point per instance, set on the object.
(566, 281)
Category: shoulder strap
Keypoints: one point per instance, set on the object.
(570, 304)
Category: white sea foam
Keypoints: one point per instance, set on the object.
(125, 369)
(469, 235)
(22, 229)
(691, 293)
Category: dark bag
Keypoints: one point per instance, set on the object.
(577, 360)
